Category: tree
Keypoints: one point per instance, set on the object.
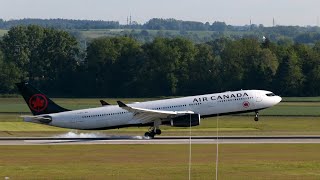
(310, 61)
(160, 65)
(9, 75)
(41, 54)
(16, 50)
(114, 63)
(59, 55)
(264, 69)
(204, 71)
(218, 26)
(232, 71)
(290, 78)
(167, 63)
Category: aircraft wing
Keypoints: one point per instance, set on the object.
(149, 115)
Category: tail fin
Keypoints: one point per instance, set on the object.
(38, 102)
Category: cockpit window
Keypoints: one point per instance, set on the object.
(270, 94)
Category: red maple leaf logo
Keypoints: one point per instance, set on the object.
(38, 102)
(246, 104)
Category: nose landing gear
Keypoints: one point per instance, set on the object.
(256, 118)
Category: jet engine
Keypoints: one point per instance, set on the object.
(184, 121)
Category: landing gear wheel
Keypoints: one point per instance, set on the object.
(158, 131)
(153, 130)
(149, 134)
(256, 118)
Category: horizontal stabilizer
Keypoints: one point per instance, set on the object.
(37, 119)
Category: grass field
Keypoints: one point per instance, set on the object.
(242, 161)
(228, 125)
(239, 161)
(3, 32)
(301, 99)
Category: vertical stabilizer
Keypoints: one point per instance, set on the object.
(38, 102)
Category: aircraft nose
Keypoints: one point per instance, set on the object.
(278, 99)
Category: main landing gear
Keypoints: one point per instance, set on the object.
(155, 130)
(256, 118)
(152, 132)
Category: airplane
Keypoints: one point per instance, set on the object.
(175, 112)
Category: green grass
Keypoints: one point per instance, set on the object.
(241, 161)
(301, 99)
(24, 126)
(3, 32)
(294, 109)
(228, 125)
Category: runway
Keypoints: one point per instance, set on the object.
(161, 140)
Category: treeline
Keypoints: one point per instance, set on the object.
(123, 67)
(61, 23)
(152, 24)
(196, 31)
(157, 24)
(173, 24)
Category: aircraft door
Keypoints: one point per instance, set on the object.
(258, 97)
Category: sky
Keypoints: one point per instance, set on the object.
(234, 12)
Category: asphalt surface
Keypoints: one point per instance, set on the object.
(161, 140)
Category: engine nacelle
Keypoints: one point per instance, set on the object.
(184, 121)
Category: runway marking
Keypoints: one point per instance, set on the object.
(165, 140)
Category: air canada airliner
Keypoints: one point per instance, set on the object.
(176, 112)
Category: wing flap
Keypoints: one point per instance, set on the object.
(150, 114)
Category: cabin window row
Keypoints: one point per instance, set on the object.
(237, 99)
(100, 115)
(195, 104)
(170, 107)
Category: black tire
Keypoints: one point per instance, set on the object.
(256, 119)
(158, 131)
(149, 134)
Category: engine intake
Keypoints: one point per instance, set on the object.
(184, 121)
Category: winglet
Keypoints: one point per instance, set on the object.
(121, 104)
(103, 103)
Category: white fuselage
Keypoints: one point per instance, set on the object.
(113, 116)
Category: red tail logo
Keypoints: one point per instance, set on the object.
(38, 102)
